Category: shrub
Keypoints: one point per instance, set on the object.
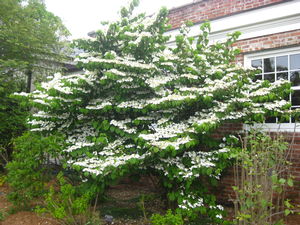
(141, 105)
(168, 219)
(2, 179)
(12, 124)
(69, 206)
(261, 178)
(26, 173)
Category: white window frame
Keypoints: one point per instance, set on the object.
(273, 127)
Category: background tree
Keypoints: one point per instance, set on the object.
(141, 106)
(31, 38)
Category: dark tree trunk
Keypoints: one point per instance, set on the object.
(29, 80)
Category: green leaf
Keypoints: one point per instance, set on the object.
(290, 182)
(287, 212)
(86, 174)
(282, 181)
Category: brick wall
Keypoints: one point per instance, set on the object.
(213, 9)
(268, 42)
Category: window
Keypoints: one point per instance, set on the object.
(279, 64)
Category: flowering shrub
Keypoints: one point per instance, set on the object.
(141, 105)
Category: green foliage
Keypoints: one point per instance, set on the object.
(262, 174)
(28, 32)
(29, 37)
(168, 219)
(12, 118)
(68, 206)
(2, 179)
(141, 205)
(142, 106)
(3, 214)
(26, 172)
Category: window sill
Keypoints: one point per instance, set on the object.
(274, 127)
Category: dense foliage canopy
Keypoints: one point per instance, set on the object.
(140, 106)
(30, 37)
(28, 33)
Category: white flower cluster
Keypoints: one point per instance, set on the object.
(168, 55)
(100, 166)
(175, 144)
(266, 91)
(78, 145)
(43, 126)
(200, 159)
(190, 76)
(100, 106)
(157, 81)
(196, 160)
(190, 202)
(115, 144)
(117, 72)
(126, 62)
(121, 124)
(162, 132)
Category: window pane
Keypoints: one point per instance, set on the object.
(284, 67)
(295, 78)
(293, 119)
(296, 98)
(295, 61)
(270, 77)
(283, 76)
(270, 120)
(282, 63)
(269, 65)
(256, 63)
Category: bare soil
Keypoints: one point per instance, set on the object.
(20, 218)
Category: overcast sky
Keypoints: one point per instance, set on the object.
(83, 16)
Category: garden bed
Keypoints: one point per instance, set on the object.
(122, 203)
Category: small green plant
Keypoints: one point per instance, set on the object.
(26, 172)
(141, 205)
(168, 219)
(2, 215)
(261, 179)
(68, 206)
(2, 179)
(4, 156)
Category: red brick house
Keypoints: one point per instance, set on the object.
(270, 39)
